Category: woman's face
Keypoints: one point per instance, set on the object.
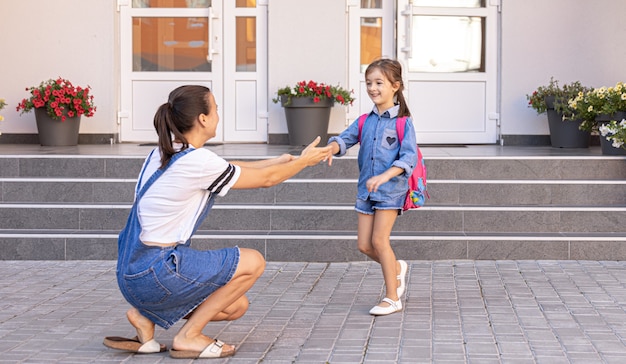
(212, 119)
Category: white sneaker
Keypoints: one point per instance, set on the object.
(394, 306)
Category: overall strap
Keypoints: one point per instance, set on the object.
(159, 171)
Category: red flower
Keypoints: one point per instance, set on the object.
(316, 99)
(61, 99)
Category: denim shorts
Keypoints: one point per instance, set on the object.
(174, 281)
(368, 206)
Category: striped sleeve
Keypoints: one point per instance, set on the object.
(223, 180)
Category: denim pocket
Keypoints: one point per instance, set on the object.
(389, 139)
(146, 288)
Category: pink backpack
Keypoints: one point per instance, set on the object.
(417, 193)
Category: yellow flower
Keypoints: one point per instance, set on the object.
(1, 117)
(590, 108)
(623, 97)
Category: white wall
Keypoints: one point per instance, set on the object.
(74, 39)
(78, 39)
(307, 41)
(572, 40)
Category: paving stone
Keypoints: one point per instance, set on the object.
(467, 312)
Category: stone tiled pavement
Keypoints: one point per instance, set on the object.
(455, 312)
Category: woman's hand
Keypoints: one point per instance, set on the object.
(312, 155)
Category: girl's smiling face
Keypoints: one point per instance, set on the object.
(380, 90)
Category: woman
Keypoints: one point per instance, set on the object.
(158, 273)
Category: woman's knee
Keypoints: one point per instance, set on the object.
(253, 261)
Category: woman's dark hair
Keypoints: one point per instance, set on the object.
(177, 116)
(392, 70)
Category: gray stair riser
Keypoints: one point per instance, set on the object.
(332, 250)
(342, 219)
(448, 193)
(438, 168)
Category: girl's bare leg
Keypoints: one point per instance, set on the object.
(383, 224)
(227, 303)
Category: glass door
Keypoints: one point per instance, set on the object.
(449, 51)
(165, 44)
(245, 115)
(371, 36)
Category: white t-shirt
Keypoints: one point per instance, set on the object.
(170, 207)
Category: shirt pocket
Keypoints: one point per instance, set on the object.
(389, 139)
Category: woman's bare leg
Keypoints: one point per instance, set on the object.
(144, 327)
(227, 303)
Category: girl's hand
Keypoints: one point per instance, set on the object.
(334, 149)
(374, 182)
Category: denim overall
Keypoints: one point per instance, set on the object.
(165, 284)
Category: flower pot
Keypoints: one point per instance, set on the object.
(565, 133)
(307, 119)
(606, 145)
(56, 132)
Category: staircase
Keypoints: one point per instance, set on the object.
(71, 207)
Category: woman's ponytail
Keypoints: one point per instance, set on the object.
(177, 116)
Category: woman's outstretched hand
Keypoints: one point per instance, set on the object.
(313, 155)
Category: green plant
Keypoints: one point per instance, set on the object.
(314, 90)
(598, 101)
(60, 98)
(615, 132)
(559, 94)
(3, 103)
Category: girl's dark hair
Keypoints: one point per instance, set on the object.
(178, 116)
(392, 70)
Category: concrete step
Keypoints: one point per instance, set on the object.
(311, 217)
(72, 207)
(333, 191)
(329, 246)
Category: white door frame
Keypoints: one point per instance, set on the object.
(440, 120)
(245, 115)
(356, 76)
(242, 117)
(455, 107)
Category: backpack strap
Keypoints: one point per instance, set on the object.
(361, 122)
(400, 123)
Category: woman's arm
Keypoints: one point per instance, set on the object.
(275, 172)
(265, 162)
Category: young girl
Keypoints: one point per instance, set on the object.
(158, 272)
(385, 165)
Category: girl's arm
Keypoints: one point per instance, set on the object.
(374, 182)
(275, 172)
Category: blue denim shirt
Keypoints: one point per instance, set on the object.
(380, 150)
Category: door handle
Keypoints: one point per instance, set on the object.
(408, 47)
(211, 38)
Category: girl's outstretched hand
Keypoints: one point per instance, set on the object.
(313, 155)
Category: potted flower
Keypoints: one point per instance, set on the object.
(615, 133)
(2, 105)
(58, 106)
(601, 104)
(307, 109)
(553, 100)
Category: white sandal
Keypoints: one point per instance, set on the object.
(404, 268)
(394, 306)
